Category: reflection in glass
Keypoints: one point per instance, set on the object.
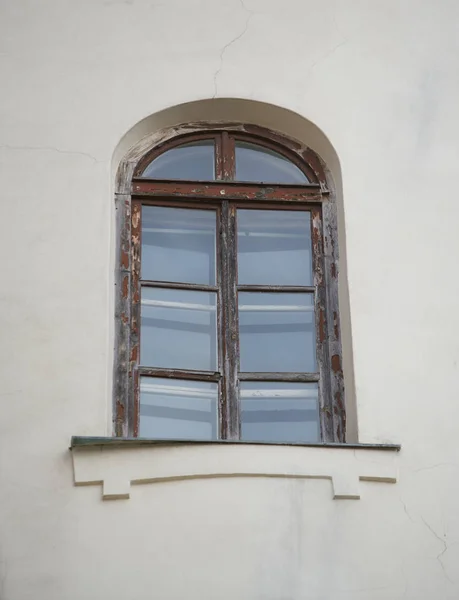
(277, 332)
(274, 247)
(255, 163)
(194, 161)
(279, 412)
(178, 409)
(179, 329)
(178, 244)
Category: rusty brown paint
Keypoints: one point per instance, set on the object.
(124, 259)
(134, 354)
(120, 418)
(340, 418)
(336, 363)
(322, 326)
(120, 411)
(125, 286)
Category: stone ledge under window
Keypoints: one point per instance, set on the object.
(116, 463)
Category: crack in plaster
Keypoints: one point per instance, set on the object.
(332, 51)
(436, 467)
(435, 534)
(226, 46)
(405, 508)
(445, 547)
(51, 149)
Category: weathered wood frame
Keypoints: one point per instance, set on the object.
(224, 195)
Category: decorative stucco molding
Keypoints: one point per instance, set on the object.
(116, 467)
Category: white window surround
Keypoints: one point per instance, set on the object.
(117, 463)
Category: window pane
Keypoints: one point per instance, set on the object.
(179, 329)
(178, 409)
(274, 247)
(279, 412)
(194, 161)
(178, 244)
(277, 332)
(255, 163)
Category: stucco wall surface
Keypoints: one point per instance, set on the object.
(81, 82)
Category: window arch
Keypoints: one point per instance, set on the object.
(227, 312)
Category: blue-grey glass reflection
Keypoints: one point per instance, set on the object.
(178, 409)
(279, 412)
(193, 162)
(277, 332)
(178, 244)
(274, 247)
(179, 329)
(255, 163)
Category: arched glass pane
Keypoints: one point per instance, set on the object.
(194, 161)
(254, 163)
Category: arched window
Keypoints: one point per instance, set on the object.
(228, 324)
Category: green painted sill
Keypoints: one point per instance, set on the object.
(79, 441)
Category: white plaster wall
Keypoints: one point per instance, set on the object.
(380, 78)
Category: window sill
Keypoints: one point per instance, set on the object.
(116, 463)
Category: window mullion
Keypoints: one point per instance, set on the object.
(229, 409)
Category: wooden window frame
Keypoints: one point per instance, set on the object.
(225, 195)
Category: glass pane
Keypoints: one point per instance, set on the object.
(274, 247)
(279, 412)
(194, 161)
(277, 332)
(178, 409)
(179, 329)
(255, 163)
(178, 244)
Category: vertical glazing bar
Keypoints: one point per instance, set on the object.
(218, 157)
(228, 156)
(230, 399)
(136, 246)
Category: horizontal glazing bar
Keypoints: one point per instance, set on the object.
(276, 288)
(179, 305)
(179, 374)
(182, 390)
(175, 285)
(279, 394)
(254, 234)
(300, 377)
(242, 307)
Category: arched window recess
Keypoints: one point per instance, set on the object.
(227, 313)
